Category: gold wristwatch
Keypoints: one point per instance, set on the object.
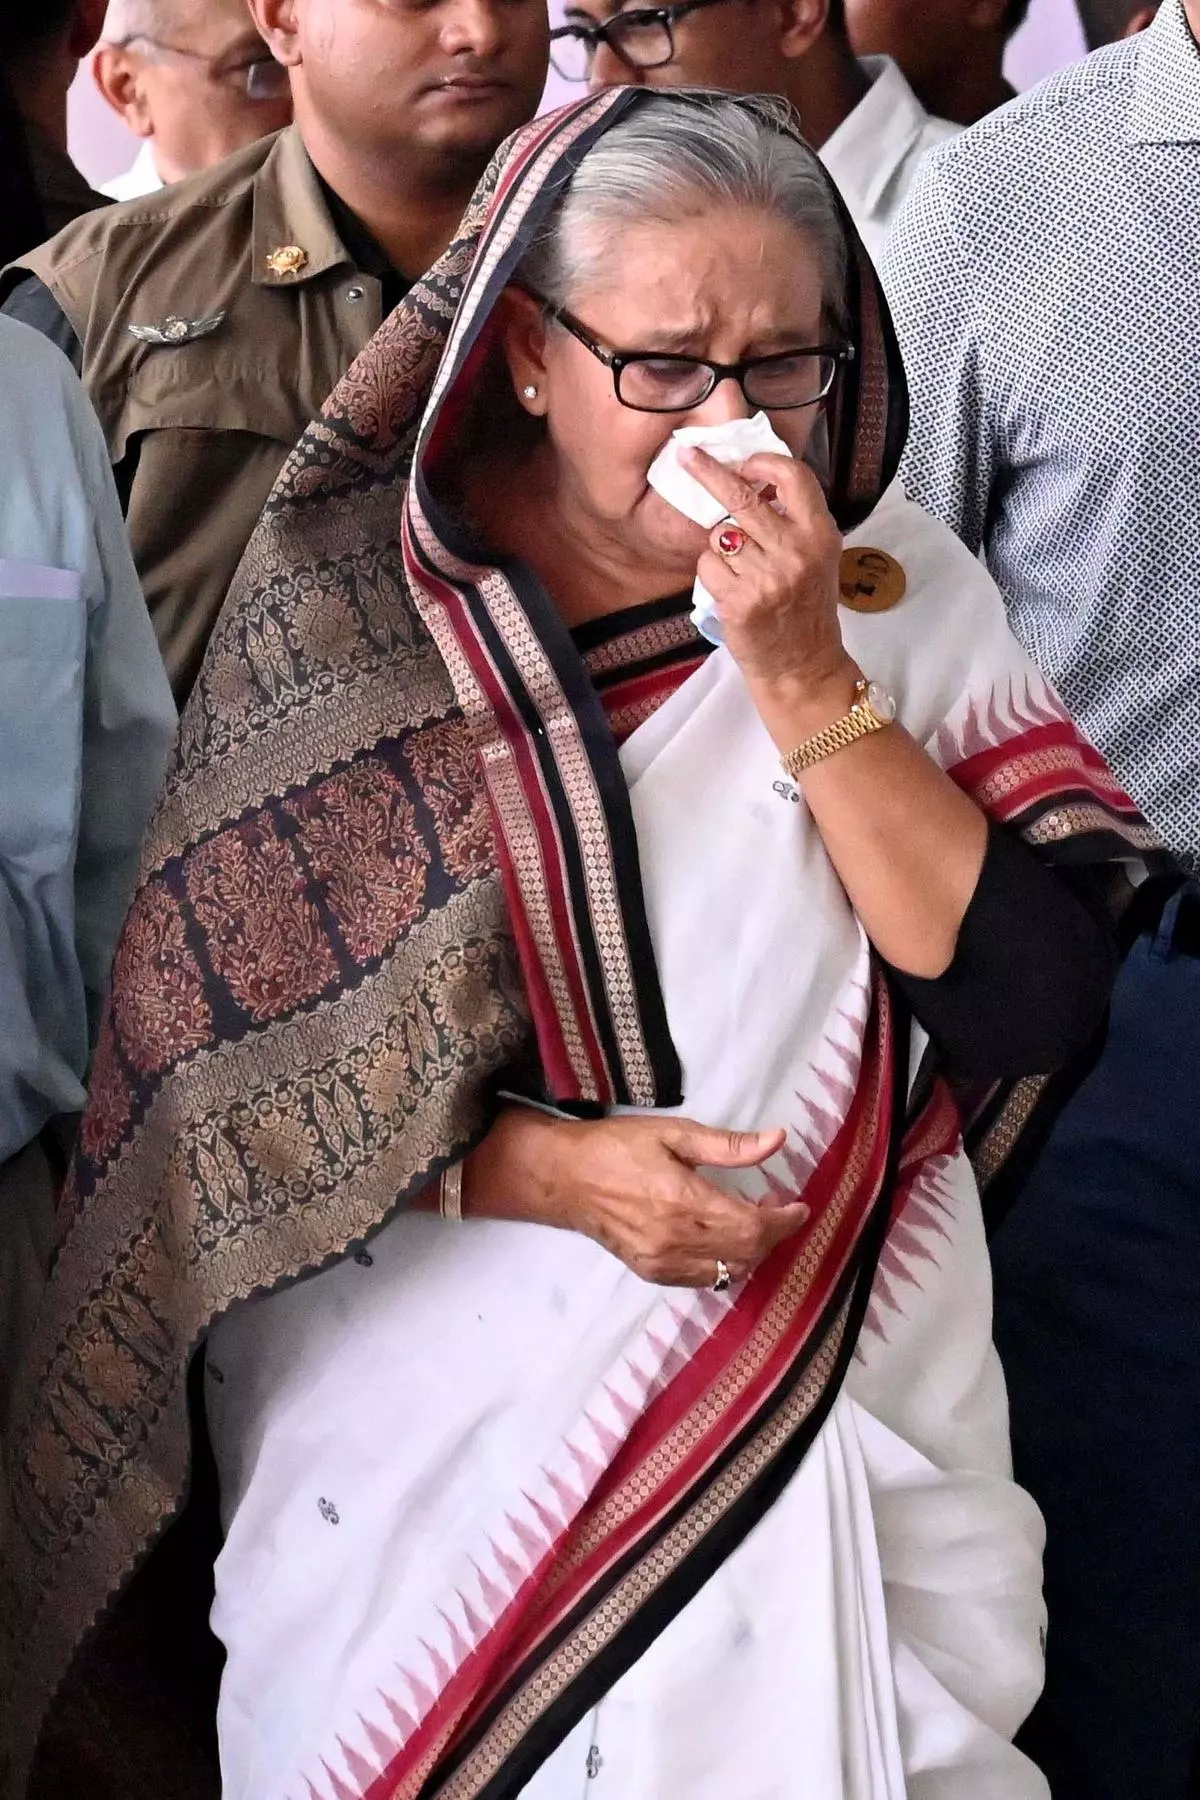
(872, 709)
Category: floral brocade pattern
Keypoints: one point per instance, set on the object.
(110, 1097)
(264, 936)
(446, 768)
(159, 1005)
(359, 836)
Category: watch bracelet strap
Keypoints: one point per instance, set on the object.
(858, 723)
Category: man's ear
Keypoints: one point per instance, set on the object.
(987, 16)
(279, 26)
(1141, 17)
(522, 327)
(799, 23)
(115, 73)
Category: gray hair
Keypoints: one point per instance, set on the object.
(127, 19)
(672, 159)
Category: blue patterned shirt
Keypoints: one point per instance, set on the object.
(1044, 278)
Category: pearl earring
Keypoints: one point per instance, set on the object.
(529, 391)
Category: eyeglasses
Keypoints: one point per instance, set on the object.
(260, 77)
(643, 38)
(661, 382)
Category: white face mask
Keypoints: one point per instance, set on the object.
(731, 444)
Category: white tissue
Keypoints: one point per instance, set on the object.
(731, 444)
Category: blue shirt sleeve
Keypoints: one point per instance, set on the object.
(86, 721)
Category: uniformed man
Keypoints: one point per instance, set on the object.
(210, 321)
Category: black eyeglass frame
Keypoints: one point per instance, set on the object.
(642, 18)
(617, 361)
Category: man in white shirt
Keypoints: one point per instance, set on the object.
(196, 84)
(861, 115)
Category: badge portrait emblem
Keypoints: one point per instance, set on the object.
(871, 581)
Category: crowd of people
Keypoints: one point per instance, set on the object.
(599, 905)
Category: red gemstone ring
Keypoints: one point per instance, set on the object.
(731, 541)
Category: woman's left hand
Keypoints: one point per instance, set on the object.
(778, 593)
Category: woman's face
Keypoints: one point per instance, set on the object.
(725, 286)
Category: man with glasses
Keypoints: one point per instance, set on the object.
(196, 84)
(210, 321)
(861, 115)
(1042, 281)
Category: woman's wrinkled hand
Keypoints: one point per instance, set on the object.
(633, 1185)
(778, 595)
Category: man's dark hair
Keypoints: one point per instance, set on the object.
(24, 30)
(1014, 18)
(1105, 20)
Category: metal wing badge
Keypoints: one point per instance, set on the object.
(176, 330)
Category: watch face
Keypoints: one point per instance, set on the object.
(880, 702)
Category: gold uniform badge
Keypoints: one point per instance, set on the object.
(289, 259)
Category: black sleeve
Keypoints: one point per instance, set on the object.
(32, 303)
(1031, 976)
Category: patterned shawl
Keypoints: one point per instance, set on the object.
(394, 859)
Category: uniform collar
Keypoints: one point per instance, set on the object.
(1166, 89)
(290, 212)
(867, 148)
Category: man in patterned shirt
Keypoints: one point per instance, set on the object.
(1043, 278)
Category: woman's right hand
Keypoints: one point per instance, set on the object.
(632, 1185)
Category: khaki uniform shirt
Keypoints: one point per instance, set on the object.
(200, 428)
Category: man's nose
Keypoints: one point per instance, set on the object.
(473, 28)
(608, 70)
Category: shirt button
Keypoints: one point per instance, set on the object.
(595, 1762)
(354, 293)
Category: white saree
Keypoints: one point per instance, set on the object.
(401, 1437)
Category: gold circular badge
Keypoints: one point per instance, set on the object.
(871, 581)
(289, 259)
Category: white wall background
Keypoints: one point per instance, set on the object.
(1050, 37)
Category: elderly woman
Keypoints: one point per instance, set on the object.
(565, 999)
